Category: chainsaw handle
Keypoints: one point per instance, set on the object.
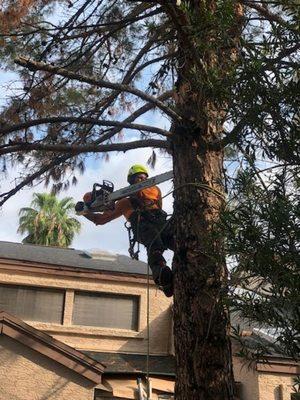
(108, 185)
(94, 191)
(95, 185)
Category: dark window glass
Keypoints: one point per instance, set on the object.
(106, 310)
(32, 303)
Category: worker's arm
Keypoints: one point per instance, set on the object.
(106, 216)
(160, 198)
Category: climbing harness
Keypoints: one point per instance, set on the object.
(132, 242)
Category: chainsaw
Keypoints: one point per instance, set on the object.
(103, 196)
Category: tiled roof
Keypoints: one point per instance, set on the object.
(71, 258)
(134, 363)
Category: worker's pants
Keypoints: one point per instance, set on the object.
(155, 232)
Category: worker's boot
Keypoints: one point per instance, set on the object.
(162, 274)
(165, 281)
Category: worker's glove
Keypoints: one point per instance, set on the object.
(87, 197)
(81, 207)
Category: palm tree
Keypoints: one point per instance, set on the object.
(48, 222)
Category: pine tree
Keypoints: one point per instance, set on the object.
(224, 74)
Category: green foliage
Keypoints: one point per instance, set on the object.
(48, 221)
(296, 386)
(262, 226)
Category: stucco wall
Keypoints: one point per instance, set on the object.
(262, 385)
(103, 339)
(249, 379)
(26, 375)
(269, 386)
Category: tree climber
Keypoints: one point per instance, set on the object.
(148, 222)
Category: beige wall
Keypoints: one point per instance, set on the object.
(249, 379)
(27, 375)
(262, 385)
(103, 339)
(275, 386)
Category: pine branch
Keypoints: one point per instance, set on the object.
(131, 72)
(29, 179)
(269, 15)
(39, 66)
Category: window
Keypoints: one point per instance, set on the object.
(32, 303)
(106, 310)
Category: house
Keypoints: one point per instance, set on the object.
(76, 325)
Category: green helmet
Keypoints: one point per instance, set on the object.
(136, 169)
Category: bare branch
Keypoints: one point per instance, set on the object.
(29, 179)
(103, 28)
(232, 136)
(153, 61)
(284, 53)
(6, 196)
(142, 110)
(26, 147)
(130, 73)
(80, 120)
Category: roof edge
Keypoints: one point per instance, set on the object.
(277, 364)
(61, 269)
(54, 349)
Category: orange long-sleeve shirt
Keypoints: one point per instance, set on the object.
(124, 206)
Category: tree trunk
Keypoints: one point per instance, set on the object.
(208, 40)
(201, 321)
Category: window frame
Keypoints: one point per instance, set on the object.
(108, 294)
(41, 288)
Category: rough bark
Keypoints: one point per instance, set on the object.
(201, 318)
(201, 321)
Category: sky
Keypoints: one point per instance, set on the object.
(111, 237)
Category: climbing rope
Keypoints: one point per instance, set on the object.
(201, 186)
(148, 311)
(148, 332)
